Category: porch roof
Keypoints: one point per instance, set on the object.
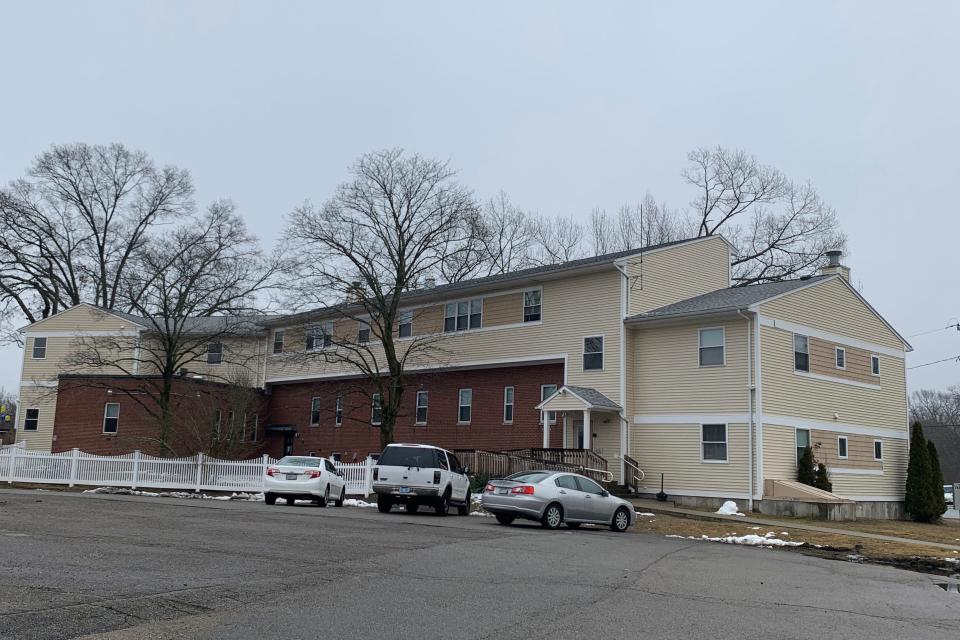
(582, 397)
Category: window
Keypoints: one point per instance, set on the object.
(405, 328)
(442, 460)
(460, 316)
(531, 305)
(801, 353)
(214, 353)
(593, 353)
(31, 419)
(338, 411)
(111, 417)
(875, 365)
(315, 410)
(216, 420)
(363, 332)
(466, 406)
(714, 442)
(422, 401)
(508, 405)
(320, 337)
(454, 463)
(711, 347)
(278, 341)
(841, 357)
(376, 410)
(878, 449)
(589, 486)
(254, 424)
(842, 447)
(803, 441)
(39, 348)
(547, 390)
(567, 482)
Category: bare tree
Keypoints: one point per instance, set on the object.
(72, 226)
(933, 407)
(225, 421)
(633, 227)
(781, 229)
(196, 291)
(506, 236)
(400, 221)
(556, 239)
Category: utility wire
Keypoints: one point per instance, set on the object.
(955, 325)
(955, 358)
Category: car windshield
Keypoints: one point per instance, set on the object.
(409, 457)
(300, 461)
(529, 476)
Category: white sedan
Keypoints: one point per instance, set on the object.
(304, 477)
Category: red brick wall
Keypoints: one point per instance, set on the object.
(290, 404)
(80, 408)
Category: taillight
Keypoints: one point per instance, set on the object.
(436, 477)
(376, 473)
(526, 490)
(271, 471)
(488, 489)
(313, 474)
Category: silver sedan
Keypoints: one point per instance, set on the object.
(554, 498)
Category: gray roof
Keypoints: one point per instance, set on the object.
(947, 440)
(594, 397)
(245, 324)
(729, 299)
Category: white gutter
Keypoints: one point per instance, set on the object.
(751, 413)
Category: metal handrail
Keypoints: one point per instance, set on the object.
(634, 470)
(609, 474)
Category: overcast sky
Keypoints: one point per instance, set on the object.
(567, 107)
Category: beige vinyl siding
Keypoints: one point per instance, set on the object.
(83, 318)
(859, 450)
(674, 450)
(44, 399)
(606, 444)
(574, 307)
(786, 393)
(823, 361)
(675, 273)
(831, 306)
(890, 484)
(668, 378)
(779, 452)
(501, 310)
(242, 360)
(566, 402)
(62, 350)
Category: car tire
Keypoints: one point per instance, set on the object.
(412, 507)
(621, 520)
(270, 498)
(573, 525)
(442, 506)
(383, 504)
(325, 500)
(291, 502)
(343, 496)
(506, 518)
(464, 509)
(552, 516)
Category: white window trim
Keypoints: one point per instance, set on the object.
(33, 348)
(836, 356)
(846, 446)
(104, 424)
(468, 301)
(523, 306)
(875, 357)
(543, 397)
(875, 458)
(602, 352)
(726, 442)
(282, 335)
(723, 345)
(373, 405)
(460, 404)
(26, 410)
(512, 404)
(361, 325)
(338, 411)
(311, 422)
(209, 353)
(400, 323)
(793, 347)
(319, 330)
(416, 409)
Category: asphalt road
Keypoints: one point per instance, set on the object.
(74, 565)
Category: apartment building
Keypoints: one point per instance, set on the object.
(645, 357)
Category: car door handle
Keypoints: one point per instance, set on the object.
(587, 496)
(562, 491)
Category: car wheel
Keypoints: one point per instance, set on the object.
(412, 506)
(443, 504)
(291, 502)
(383, 504)
(325, 500)
(506, 518)
(621, 520)
(270, 498)
(552, 516)
(573, 525)
(343, 495)
(464, 509)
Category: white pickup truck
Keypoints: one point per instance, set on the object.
(418, 474)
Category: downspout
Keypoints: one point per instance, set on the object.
(750, 412)
(624, 422)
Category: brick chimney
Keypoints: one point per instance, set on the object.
(834, 266)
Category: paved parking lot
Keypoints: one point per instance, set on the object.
(123, 567)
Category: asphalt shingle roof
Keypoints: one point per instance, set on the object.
(728, 299)
(594, 397)
(205, 324)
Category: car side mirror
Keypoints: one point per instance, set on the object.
(605, 493)
(466, 471)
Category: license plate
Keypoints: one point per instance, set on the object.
(502, 492)
(404, 489)
(292, 476)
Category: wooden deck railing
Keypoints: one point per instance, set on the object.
(498, 464)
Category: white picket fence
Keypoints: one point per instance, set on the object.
(133, 470)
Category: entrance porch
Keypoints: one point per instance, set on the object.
(570, 408)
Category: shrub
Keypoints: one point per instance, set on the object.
(919, 500)
(822, 480)
(477, 482)
(805, 470)
(936, 480)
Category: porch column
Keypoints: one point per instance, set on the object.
(586, 429)
(564, 445)
(546, 429)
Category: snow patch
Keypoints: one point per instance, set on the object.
(353, 502)
(644, 514)
(750, 540)
(121, 491)
(729, 508)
